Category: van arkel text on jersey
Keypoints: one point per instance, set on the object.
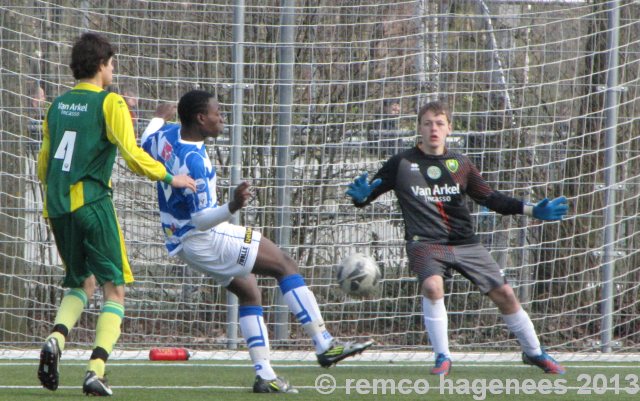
(437, 193)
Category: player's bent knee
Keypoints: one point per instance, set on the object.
(89, 286)
(246, 289)
(504, 297)
(115, 293)
(433, 288)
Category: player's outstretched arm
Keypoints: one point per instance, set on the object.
(164, 112)
(212, 216)
(555, 209)
(360, 189)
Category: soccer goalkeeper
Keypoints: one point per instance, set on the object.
(197, 231)
(81, 132)
(430, 183)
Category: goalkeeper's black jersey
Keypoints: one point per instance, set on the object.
(431, 189)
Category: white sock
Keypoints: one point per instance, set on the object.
(255, 334)
(522, 327)
(435, 319)
(302, 303)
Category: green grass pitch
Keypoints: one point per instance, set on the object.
(219, 380)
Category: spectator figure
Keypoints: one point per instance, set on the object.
(390, 115)
(37, 108)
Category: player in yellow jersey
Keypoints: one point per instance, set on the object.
(82, 130)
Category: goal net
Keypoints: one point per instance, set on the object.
(527, 81)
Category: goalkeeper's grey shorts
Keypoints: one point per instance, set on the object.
(472, 261)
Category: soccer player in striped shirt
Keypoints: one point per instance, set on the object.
(197, 231)
(430, 183)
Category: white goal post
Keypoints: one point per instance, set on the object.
(538, 106)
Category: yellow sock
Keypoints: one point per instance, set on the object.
(58, 336)
(97, 366)
(107, 333)
(69, 312)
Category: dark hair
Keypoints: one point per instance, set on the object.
(436, 107)
(89, 53)
(191, 104)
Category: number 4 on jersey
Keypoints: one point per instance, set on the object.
(65, 149)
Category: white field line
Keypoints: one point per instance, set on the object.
(382, 358)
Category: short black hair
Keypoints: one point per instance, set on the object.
(436, 107)
(89, 53)
(191, 104)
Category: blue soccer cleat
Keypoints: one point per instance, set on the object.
(545, 362)
(443, 365)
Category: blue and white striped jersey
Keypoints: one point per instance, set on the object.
(178, 205)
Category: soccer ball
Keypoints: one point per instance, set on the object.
(358, 275)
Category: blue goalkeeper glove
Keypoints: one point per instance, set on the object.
(359, 190)
(551, 210)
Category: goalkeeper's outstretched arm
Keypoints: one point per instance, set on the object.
(360, 189)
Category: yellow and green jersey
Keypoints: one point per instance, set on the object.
(81, 132)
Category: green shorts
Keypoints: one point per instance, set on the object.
(90, 241)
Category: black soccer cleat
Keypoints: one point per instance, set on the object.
(277, 385)
(48, 373)
(93, 385)
(340, 350)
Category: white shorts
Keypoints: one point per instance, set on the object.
(224, 252)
